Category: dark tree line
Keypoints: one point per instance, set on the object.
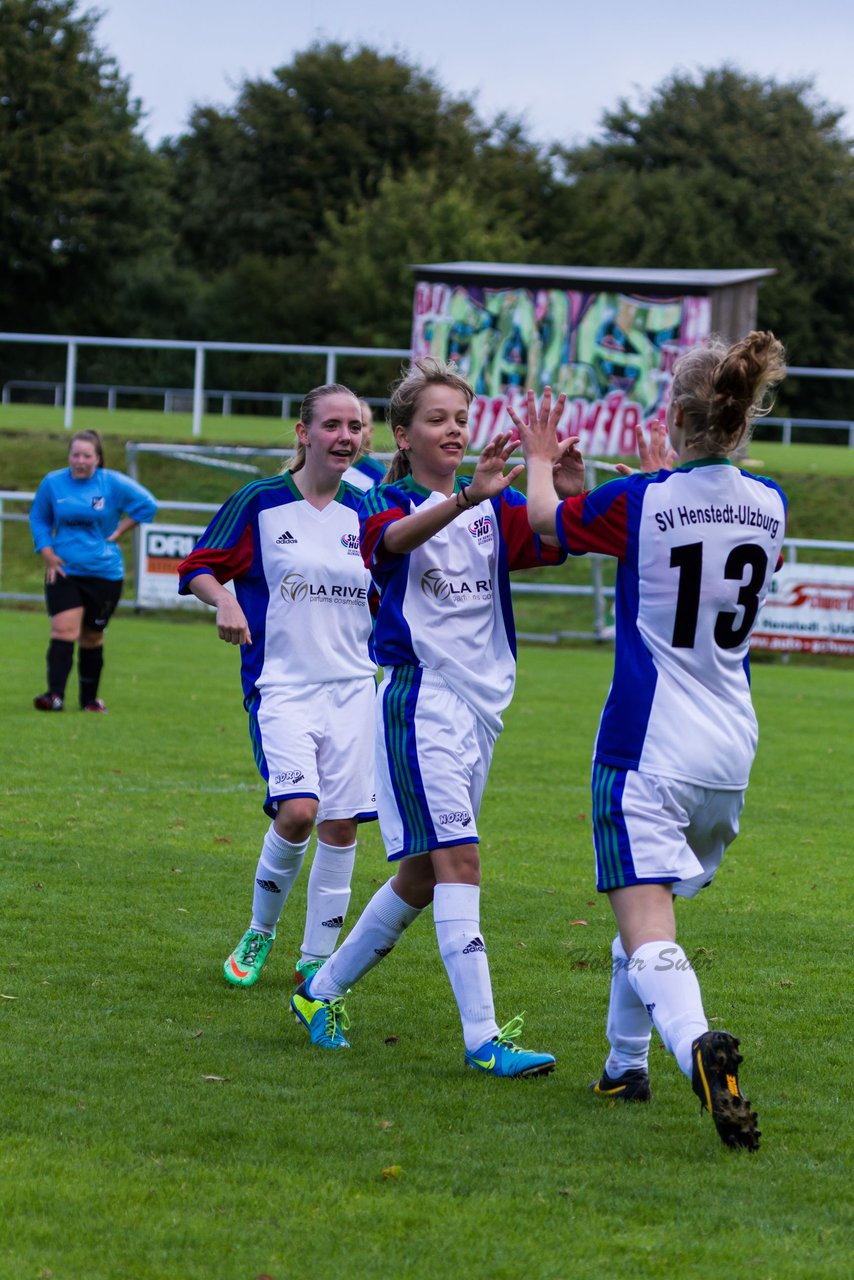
(293, 214)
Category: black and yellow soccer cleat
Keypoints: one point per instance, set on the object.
(631, 1086)
(714, 1079)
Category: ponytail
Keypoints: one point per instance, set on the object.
(721, 389)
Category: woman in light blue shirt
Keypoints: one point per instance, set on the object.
(77, 518)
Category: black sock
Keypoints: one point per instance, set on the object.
(89, 665)
(60, 656)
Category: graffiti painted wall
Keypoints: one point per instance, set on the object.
(612, 353)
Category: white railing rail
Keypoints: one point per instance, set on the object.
(200, 349)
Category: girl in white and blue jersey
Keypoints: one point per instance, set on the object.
(77, 517)
(300, 612)
(440, 549)
(696, 548)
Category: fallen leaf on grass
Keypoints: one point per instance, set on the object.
(197, 1034)
(384, 1124)
(222, 840)
(2, 997)
(392, 1171)
(578, 922)
(391, 1040)
(183, 909)
(217, 1079)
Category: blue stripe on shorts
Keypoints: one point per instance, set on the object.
(399, 704)
(614, 865)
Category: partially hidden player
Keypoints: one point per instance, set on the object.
(440, 548)
(366, 470)
(696, 549)
(77, 517)
(300, 612)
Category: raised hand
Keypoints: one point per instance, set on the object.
(489, 478)
(657, 455)
(538, 436)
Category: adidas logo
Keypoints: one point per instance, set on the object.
(650, 1007)
(382, 951)
(476, 944)
(337, 922)
(269, 885)
(287, 536)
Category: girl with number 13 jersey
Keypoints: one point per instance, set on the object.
(696, 550)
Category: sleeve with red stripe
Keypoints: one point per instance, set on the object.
(224, 563)
(525, 549)
(595, 521)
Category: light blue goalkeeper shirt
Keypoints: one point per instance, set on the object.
(76, 517)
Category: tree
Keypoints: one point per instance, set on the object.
(81, 195)
(727, 170)
(261, 177)
(365, 258)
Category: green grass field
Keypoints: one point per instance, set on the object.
(159, 1125)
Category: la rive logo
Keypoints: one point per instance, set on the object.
(439, 586)
(481, 529)
(350, 543)
(295, 588)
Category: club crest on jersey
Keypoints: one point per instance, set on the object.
(435, 584)
(481, 529)
(97, 504)
(350, 543)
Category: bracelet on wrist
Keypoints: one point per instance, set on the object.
(462, 492)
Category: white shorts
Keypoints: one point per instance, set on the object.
(433, 758)
(650, 830)
(317, 740)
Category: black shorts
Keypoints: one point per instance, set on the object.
(97, 597)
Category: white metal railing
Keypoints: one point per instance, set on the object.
(73, 342)
(200, 349)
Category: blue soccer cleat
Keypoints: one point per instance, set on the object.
(502, 1057)
(325, 1020)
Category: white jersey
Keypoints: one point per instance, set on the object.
(697, 548)
(446, 605)
(299, 578)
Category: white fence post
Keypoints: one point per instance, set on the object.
(70, 378)
(199, 390)
(330, 366)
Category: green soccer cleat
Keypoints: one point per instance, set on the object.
(306, 969)
(714, 1079)
(325, 1020)
(631, 1086)
(246, 960)
(502, 1057)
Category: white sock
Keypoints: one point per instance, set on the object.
(662, 977)
(278, 868)
(629, 1029)
(456, 914)
(328, 899)
(372, 937)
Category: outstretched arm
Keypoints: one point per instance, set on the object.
(551, 463)
(404, 535)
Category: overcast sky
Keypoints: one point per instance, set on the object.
(557, 63)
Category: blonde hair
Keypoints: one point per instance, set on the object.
(306, 413)
(405, 394)
(721, 389)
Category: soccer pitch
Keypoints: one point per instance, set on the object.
(160, 1124)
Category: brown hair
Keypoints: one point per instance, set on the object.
(405, 393)
(89, 437)
(721, 389)
(306, 413)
